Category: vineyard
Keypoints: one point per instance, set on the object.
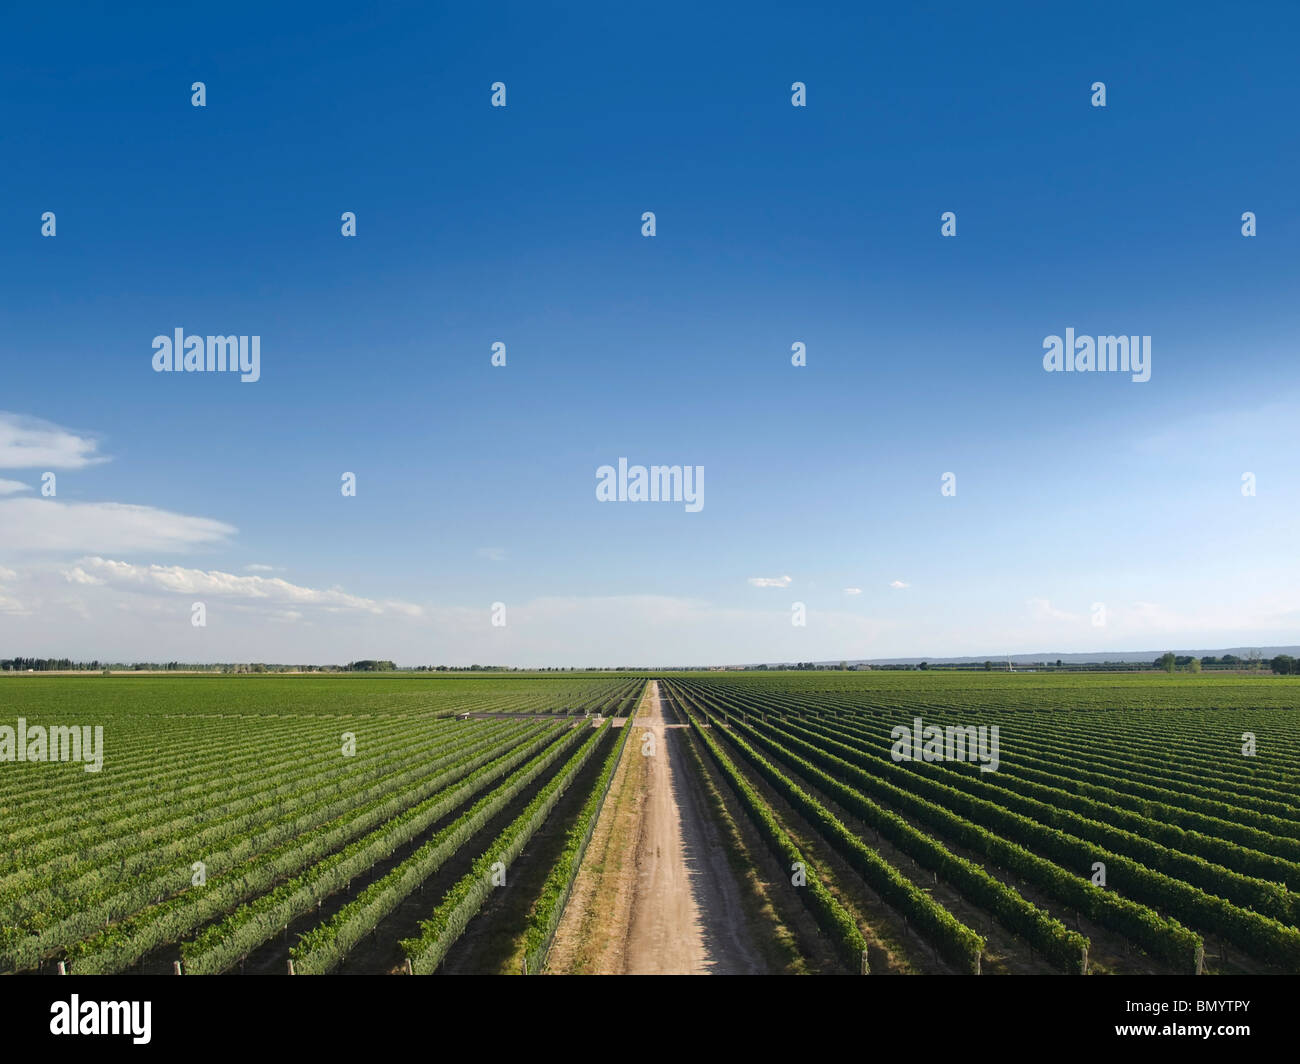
(1125, 823)
(288, 823)
(1133, 823)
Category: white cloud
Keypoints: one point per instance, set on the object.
(492, 554)
(52, 525)
(853, 591)
(80, 576)
(111, 610)
(898, 583)
(9, 604)
(30, 443)
(272, 591)
(143, 621)
(1041, 609)
(257, 567)
(770, 581)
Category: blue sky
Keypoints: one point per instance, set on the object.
(521, 224)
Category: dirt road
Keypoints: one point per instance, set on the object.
(660, 897)
(687, 915)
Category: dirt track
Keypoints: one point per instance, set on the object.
(664, 899)
(687, 916)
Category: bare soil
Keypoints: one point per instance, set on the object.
(661, 897)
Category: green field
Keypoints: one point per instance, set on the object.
(352, 822)
(230, 810)
(1143, 776)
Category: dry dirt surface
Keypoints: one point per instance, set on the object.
(664, 899)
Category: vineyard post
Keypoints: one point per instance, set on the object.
(63, 968)
(291, 971)
(176, 968)
(866, 967)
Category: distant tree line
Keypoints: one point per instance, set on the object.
(1282, 664)
(21, 664)
(25, 664)
(1285, 665)
(43, 664)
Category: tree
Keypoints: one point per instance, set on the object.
(988, 666)
(1194, 665)
(1167, 661)
(1284, 665)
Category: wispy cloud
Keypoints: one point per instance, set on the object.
(770, 581)
(12, 487)
(492, 554)
(30, 443)
(9, 604)
(97, 571)
(1041, 609)
(257, 567)
(898, 583)
(853, 591)
(52, 525)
